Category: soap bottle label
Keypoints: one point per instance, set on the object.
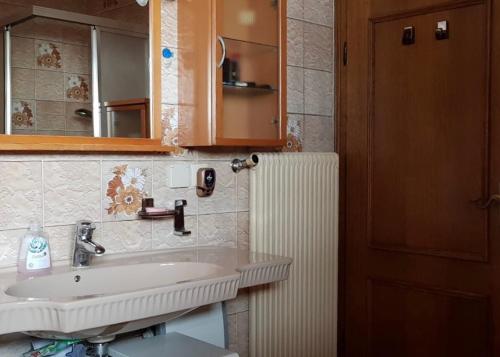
(38, 256)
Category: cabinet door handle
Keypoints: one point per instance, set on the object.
(223, 45)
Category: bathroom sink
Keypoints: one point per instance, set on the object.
(127, 292)
(110, 280)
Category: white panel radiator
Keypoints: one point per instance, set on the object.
(294, 212)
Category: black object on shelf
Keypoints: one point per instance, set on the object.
(248, 87)
(230, 70)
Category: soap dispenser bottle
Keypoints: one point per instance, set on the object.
(34, 252)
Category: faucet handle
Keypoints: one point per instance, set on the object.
(85, 229)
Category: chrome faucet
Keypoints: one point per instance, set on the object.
(84, 247)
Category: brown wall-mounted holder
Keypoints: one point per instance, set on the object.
(150, 212)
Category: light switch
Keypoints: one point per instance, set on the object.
(180, 176)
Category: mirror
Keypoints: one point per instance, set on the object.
(75, 68)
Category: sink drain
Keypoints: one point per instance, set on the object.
(77, 278)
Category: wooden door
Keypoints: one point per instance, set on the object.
(421, 146)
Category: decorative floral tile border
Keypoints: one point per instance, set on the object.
(77, 88)
(48, 56)
(126, 190)
(22, 114)
(294, 142)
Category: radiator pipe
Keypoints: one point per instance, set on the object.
(237, 165)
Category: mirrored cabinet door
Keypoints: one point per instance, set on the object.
(248, 76)
(50, 78)
(64, 70)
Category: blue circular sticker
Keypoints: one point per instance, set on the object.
(167, 53)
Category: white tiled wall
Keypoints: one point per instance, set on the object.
(58, 191)
(310, 72)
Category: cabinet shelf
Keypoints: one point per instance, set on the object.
(254, 43)
(254, 90)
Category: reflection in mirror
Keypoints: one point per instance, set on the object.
(75, 68)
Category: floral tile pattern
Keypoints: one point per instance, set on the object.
(48, 56)
(169, 125)
(77, 88)
(22, 114)
(126, 190)
(295, 133)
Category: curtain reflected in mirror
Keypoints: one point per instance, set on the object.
(71, 74)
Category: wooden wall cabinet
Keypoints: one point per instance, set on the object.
(232, 73)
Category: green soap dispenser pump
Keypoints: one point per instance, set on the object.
(34, 252)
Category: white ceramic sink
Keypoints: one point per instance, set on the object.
(126, 292)
(111, 280)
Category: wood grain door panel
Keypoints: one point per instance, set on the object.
(428, 134)
(420, 135)
(419, 321)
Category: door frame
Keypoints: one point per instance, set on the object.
(340, 117)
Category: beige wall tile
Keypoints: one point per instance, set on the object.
(20, 194)
(50, 122)
(50, 107)
(232, 332)
(319, 134)
(76, 34)
(50, 115)
(49, 29)
(9, 246)
(71, 192)
(223, 198)
(164, 237)
(319, 11)
(220, 154)
(243, 230)
(318, 93)
(23, 83)
(217, 229)
(169, 23)
(23, 132)
(239, 304)
(295, 9)
(23, 52)
(50, 132)
(75, 122)
(295, 48)
(318, 47)
(49, 85)
(76, 59)
(243, 188)
(126, 236)
(295, 90)
(243, 333)
(170, 79)
(79, 133)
